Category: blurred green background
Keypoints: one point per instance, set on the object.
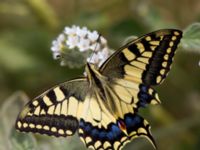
(27, 28)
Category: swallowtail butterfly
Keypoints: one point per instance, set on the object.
(103, 107)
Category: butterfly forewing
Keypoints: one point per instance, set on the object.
(57, 111)
(146, 59)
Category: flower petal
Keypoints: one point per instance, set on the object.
(72, 41)
(82, 32)
(84, 44)
(93, 36)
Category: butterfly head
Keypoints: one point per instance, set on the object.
(93, 75)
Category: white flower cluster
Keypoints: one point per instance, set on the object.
(57, 46)
(83, 40)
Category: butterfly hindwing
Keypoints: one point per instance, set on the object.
(112, 137)
(146, 59)
(55, 112)
(134, 94)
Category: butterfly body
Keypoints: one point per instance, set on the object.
(105, 89)
(103, 106)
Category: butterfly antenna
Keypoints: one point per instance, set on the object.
(97, 41)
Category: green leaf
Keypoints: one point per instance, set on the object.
(191, 38)
(2, 139)
(72, 143)
(10, 109)
(22, 141)
(9, 137)
(53, 143)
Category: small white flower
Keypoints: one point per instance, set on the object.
(94, 58)
(61, 38)
(83, 40)
(56, 55)
(103, 40)
(57, 46)
(67, 30)
(84, 44)
(54, 42)
(72, 41)
(101, 62)
(82, 32)
(54, 46)
(95, 47)
(70, 31)
(93, 36)
(104, 54)
(63, 63)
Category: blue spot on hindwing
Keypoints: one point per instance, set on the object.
(132, 122)
(143, 88)
(94, 133)
(88, 128)
(144, 96)
(110, 136)
(102, 134)
(115, 130)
